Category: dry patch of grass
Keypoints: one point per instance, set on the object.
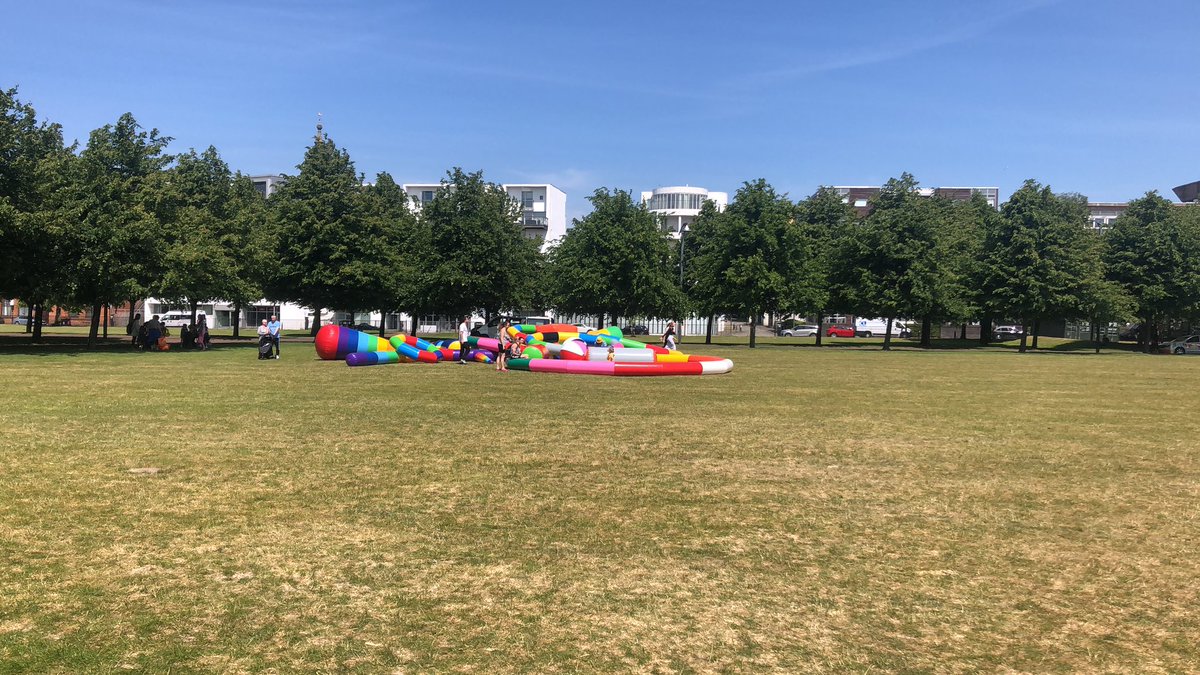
(816, 511)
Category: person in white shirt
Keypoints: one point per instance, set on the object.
(464, 332)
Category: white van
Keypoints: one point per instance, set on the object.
(873, 327)
(175, 319)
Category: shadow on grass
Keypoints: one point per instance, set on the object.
(74, 345)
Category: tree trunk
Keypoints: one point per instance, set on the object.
(237, 318)
(57, 314)
(820, 328)
(382, 321)
(1096, 329)
(1037, 328)
(193, 304)
(1024, 338)
(412, 325)
(316, 325)
(94, 330)
(753, 325)
(107, 314)
(600, 322)
(926, 329)
(129, 319)
(985, 331)
(708, 331)
(35, 321)
(887, 336)
(964, 331)
(29, 324)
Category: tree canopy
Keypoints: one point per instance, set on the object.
(616, 261)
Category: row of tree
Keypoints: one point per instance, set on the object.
(121, 219)
(1035, 258)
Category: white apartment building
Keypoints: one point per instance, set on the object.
(543, 207)
(267, 185)
(678, 206)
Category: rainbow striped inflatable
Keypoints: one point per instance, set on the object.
(554, 348)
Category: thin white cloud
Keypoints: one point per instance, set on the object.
(890, 52)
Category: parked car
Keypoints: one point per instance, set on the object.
(872, 327)
(1130, 333)
(21, 321)
(635, 330)
(1185, 345)
(1002, 333)
(176, 319)
(840, 331)
(800, 330)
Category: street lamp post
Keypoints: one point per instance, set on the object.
(683, 229)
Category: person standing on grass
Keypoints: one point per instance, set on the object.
(669, 336)
(135, 328)
(464, 332)
(502, 353)
(202, 333)
(273, 328)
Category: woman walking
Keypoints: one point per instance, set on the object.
(669, 336)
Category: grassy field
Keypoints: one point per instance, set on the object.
(816, 510)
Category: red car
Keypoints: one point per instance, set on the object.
(840, 331)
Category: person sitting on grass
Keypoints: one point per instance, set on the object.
(154, 330)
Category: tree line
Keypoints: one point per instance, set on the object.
(121, 219)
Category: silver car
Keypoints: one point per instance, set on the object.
(800, 331)
(1187, 345)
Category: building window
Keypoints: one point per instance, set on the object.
(527, 199)
(860, 203)
(426, 196)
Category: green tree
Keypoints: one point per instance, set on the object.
(911, 256)
(390, 223)
(821, 219)
(1041, 261)
(1153, 254)
(246, 235)
(197, 208)
(615, 262)
(35, 167)
(749, 249)
(702, 285)
(328, 254)
(478, 256)
(116, 238)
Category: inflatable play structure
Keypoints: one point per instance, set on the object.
(551, 348)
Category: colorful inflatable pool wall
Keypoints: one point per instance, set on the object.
(338, 342)
(550, 348)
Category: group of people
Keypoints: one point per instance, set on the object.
(152, 335)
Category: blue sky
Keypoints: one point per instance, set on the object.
(1090, 96)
